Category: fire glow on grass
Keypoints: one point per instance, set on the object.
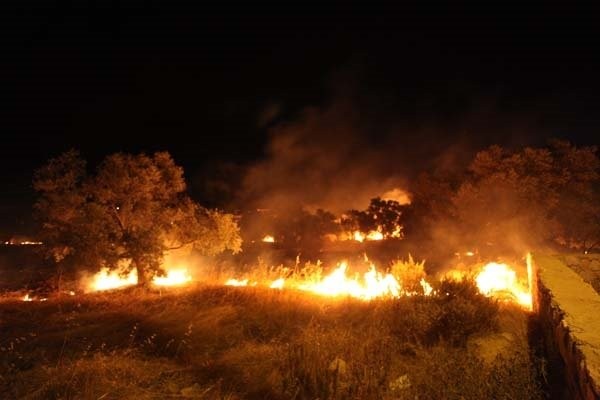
(493, 279)
(370, 285)
(497, 280)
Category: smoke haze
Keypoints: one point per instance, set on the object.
(362, 145)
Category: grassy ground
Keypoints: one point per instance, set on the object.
(211, 342)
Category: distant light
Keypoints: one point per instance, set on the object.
(23, 243)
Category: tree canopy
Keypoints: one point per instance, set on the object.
(519, 198)
(381, 215)
(548, 194)
(134, 208)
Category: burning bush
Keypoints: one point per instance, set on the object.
(410, 273)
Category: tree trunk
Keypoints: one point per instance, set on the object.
(143, 280)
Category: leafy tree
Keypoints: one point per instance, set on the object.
(133, 209)
(432, 197)
(355, 220)
(532, 196)
(381, 215)
(386, 215)
(305, 230)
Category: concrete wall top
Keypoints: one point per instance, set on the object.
(580, 305)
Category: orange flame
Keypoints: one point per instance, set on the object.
(277, 284)
(370, 285)
(373, 235)
(28, 298)
(496, 279)
(174, 277)
(107, 279)
(235, 282)
(358, 236)
(373, 284)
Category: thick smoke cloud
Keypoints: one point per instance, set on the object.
(324, 159)
(359, 146)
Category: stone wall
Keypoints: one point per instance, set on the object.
(586, 265)
(569, 312)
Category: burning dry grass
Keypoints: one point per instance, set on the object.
(259, 343)
(402, 278)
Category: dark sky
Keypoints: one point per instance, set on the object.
(106, 76)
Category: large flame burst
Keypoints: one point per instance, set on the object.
(498, 279)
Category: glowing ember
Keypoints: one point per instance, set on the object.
(496, 279)
(268, 239)
(29, 298)
(174, 277)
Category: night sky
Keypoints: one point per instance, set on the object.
(209, 83)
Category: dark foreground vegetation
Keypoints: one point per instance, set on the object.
(232, 343)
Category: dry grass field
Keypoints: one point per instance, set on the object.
(215, 342)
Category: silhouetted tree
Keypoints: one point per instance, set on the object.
(133, 209)
(381, 215)
(304, 230)
(542, 194)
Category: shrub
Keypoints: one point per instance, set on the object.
(464, 311)
(409, 273)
